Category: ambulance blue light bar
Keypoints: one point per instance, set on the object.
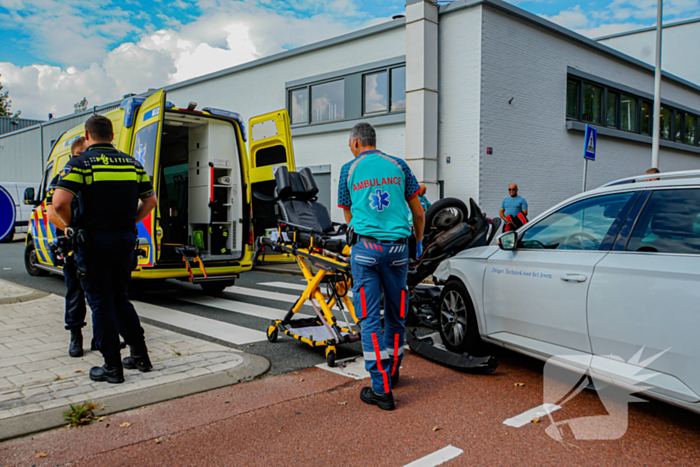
(225, 113)
(130, 105)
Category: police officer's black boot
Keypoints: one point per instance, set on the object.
(75, 349)
(111, 371)
(138, 360)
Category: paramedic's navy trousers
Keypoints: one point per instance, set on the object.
(108, 262)
(376, 266)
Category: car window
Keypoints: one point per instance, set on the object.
(579, 226)
(47, 179)
(669, 223)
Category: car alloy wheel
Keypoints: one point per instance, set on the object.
(454, 318)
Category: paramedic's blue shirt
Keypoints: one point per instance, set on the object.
(514, 206)
(376, 188)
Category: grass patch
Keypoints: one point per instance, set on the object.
(81, 414)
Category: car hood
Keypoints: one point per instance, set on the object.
(480, 252)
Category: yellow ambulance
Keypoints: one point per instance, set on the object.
(214, 196)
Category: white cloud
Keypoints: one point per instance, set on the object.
(227, 34)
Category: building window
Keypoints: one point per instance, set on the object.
(678, 127)
(665, 123)
(646, 118)
(628, 113)
(691, 129)
(328, 101)
(373, 90)
(299, 101)
(572, 98)
(613, 101)
(376, 90)
(601, 104)
(398, 89)
(592, 103)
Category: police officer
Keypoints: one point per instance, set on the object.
(373, 192)
(75, 297)
(111, 184)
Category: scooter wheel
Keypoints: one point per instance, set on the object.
(330, 358)
(272, 333)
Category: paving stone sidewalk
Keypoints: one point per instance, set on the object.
(36, 373)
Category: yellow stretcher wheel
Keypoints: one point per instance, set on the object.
(330, 356)
(272, 332)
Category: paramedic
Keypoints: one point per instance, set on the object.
(373, 192)
(111, 184)
(75, 297)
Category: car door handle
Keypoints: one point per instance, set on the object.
(574, 278)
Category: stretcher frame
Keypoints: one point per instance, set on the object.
(330, 266)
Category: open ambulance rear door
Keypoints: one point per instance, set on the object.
(146, 149)
(270, 147)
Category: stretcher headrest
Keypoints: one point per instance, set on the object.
(295, 185)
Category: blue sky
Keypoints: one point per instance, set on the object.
(54, 52)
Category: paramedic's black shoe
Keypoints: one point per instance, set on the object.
(383, 401)
(111, 371)
(395, 379)
(138, 360)
(75, 349)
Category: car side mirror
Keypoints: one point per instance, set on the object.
(29, 196)
(508, 240)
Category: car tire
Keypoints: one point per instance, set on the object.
(30, 260)
(445, 214)
(10, 237)
(459, 330)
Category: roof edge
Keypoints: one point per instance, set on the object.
(648, 29)
(333, 41)
(562, 31)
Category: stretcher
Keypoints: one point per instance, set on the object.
(307, 233)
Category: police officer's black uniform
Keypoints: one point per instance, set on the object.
(75, 297)
(111, 184)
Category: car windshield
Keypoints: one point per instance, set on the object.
(579, 226)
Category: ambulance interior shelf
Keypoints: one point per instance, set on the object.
(199, 199)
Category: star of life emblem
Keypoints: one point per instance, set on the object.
(141, 154)
(379, 200)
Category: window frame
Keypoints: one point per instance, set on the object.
(626, 239)
(639, 99)
(608, 240)
(354, 94)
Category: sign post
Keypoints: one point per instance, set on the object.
(589, 146)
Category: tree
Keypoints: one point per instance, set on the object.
(81, 106)
(5, 103)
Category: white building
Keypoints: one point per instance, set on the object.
(475, 95)
(678, 55)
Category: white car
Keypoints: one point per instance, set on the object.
(594, 281)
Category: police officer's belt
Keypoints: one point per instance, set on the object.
(365, 238)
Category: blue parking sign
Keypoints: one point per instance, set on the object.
(590, 143)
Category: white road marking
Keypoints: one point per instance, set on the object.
(437, 458)
(282, 297)
(353, 367)
(209, 327)
(239, 307)
(526, 417)
(287, 285)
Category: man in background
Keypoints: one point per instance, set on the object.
(75, 296)
(653, 170)
(512, 205)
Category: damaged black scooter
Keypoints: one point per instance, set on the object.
(450, 228)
